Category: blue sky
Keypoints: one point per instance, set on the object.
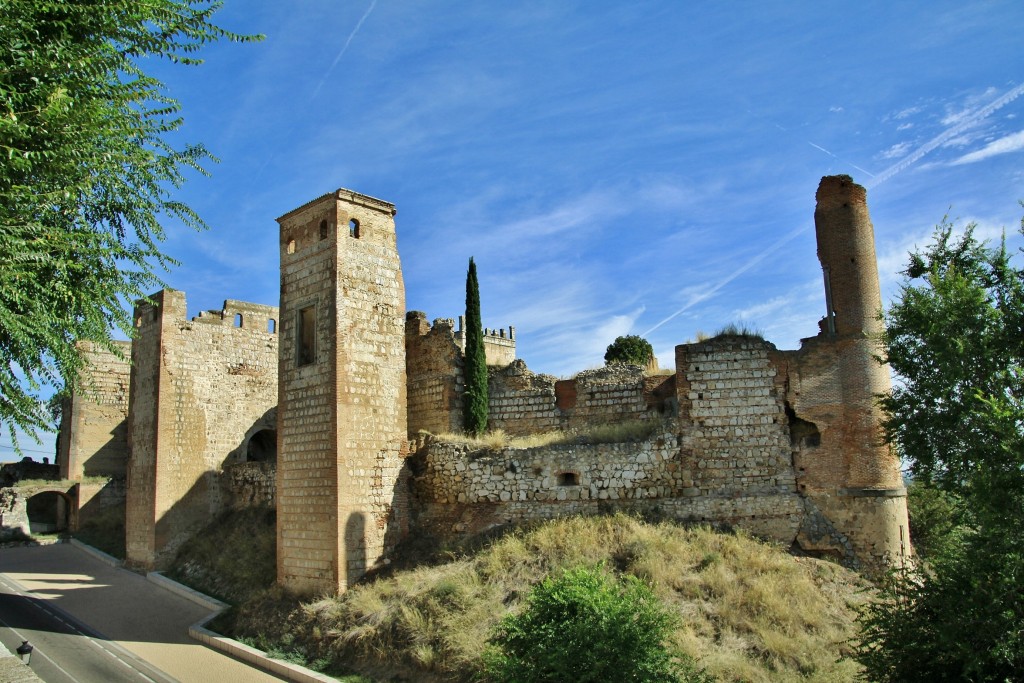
(614, 168)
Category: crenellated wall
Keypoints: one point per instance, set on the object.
(787, 444)
(200, 390)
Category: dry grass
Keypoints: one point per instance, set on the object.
(232, 558)
(749, 612)
(620, 432)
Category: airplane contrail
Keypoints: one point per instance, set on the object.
(736, 273)
(946, 135)
(344, 49)
(875, 181)
(819, 147)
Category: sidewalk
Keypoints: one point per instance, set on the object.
(140, 616)
(13, 671)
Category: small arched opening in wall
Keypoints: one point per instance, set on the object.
(568, 479)
(48, 512)
(272, 326)
(238, 320)
(353, 228)
(262, 447)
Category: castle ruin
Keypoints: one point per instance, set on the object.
(320, 408)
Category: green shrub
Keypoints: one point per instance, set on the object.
(630, 349)
(583, 626)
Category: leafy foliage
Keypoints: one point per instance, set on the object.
(584, 626)
(937, 518)
(475, 396)
(629, 349)
(956, 337)
(86, 174)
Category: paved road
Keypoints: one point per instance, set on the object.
(65, 651)
(137, 619)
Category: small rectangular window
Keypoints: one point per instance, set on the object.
(306, 336)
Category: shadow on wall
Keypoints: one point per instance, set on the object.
(355, 548)
(259, 443)
(101, 516)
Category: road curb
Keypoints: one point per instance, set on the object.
(98, 554)
(258, 658)
(250, 655)
(184, 591)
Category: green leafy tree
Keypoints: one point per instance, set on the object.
(937, 518)
(585, 627)
(86, 175)
(955, 336)
(475, 394)
(631, 349)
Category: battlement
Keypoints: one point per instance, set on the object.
(786, 443)
(242, 314)
(499, 349)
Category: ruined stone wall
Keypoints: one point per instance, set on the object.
(459, 491)
(727, 459)
(93, 439)
(522, 402)
(14, 525)
(434, 367)
(737, 436)
(759, 439)
(200, 389)
(252, 484)
(342, 406)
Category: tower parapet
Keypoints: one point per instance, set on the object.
(499, 344)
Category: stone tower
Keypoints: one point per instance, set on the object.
(200, 389)
(342, 391)
(852, 476)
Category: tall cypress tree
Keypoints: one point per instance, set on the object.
(474, 397)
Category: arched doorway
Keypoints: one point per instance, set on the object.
(47, 513)
(262, 447)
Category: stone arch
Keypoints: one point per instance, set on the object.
(48, 512)
(262, 446)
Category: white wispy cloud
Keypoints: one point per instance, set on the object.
(958, 124)
(966, 112)
(907, 113)
(1004, 145)
(896, 151)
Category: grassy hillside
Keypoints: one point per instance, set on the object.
(233, 559)
(750, 612)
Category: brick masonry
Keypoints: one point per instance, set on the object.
(785, 443)
(342, 404)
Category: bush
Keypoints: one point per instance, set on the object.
(630, 349)
(584, 626)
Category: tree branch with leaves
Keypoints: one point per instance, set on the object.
(87, 178)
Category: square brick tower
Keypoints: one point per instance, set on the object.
(342, 391)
